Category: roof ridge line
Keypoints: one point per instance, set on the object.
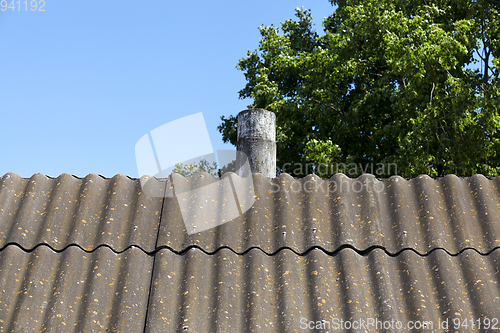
(10, 174)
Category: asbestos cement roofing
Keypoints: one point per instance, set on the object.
(422, 214)
(260, 293)
(87, 212)
(293, 255)
(73, 291)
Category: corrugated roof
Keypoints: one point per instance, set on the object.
(256, 292)
(87, 212)
(422, 214)
(73, 291)
(104, 255)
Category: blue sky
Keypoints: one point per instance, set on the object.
(83, 81)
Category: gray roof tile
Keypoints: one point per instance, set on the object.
(87, 212)
(422, 214)
(107, 255)
(256, 292)
(73, 291)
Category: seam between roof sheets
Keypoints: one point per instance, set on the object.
(364, 252)
(154, 258)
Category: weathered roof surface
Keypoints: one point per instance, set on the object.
(422, 214)
(73, 291)
(260, 293)
(105, 255)
(87, 212)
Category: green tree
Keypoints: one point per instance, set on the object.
(191, 169)
(388, 82)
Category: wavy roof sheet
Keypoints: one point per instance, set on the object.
(422, 214)
(87, 212)
(256, 292)
(73, 291)
(110, 255)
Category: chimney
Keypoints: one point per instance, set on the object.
(257, 140)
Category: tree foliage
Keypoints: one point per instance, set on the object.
(203, 165)
(191, 169)
(389, 81)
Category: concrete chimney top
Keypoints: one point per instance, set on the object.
(257, 140)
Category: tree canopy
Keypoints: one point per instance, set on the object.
(191, 169)
(389, 82)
